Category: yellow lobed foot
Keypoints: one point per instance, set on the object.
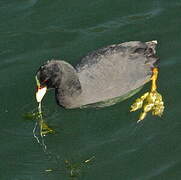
(150, 101)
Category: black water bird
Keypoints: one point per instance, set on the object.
(105, 74)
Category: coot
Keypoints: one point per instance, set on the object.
(105, 74)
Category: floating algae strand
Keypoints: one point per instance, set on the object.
(42, 127)
(39, 122)
(75, 168)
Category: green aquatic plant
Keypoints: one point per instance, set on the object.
(38, 117)
(72, 169)
(75, 169)
(44, 128)
(31, 115)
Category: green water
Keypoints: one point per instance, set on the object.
(34, 31)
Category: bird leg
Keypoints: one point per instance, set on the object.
(150, 101)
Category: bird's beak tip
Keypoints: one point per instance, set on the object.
(41, 91)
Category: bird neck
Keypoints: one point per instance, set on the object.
(69, 87)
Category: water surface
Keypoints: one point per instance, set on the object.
(34, 31)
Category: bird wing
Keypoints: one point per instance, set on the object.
(115, 70)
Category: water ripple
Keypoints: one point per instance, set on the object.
(126, 20)
(15, 7)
